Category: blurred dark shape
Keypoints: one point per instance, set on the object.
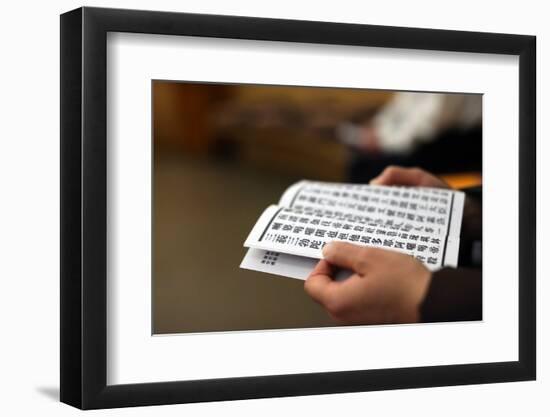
(439, 132)
(453, 151)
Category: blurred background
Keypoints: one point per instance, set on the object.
(223, 153)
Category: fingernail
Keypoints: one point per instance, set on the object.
(327, 249)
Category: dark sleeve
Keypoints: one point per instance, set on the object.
(453, 295)
(472, 227)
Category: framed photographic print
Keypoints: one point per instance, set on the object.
(258, 207)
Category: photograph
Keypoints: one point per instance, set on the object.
(289, 207)
(258, 207)
(265, 209)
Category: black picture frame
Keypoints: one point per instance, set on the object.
(84, 207)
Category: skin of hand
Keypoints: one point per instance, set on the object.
(386, 286)
(415, 177)
(369, 140)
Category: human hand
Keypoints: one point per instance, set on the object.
(416, 177)
(368, 140)
(386, 286)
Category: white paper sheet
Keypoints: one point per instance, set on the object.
(278, 263)
(282, 264)
(422, 222)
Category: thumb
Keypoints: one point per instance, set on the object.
(347, 255)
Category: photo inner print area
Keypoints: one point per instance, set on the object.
(289, 207)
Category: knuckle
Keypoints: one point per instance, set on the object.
(337, 308)
(338, 319)
(310, 286)
(364, 257)
(307, 284)
(360, 264)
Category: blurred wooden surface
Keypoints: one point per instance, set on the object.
(463, 179)
(182, 111)
(290, 130)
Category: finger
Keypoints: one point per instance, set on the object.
(321, 286)
(318, 281)
(339, 298)
(347, 255)
(322, 268)
(324, 290)
(395, 175)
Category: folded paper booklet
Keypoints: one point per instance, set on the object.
(288, 238)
